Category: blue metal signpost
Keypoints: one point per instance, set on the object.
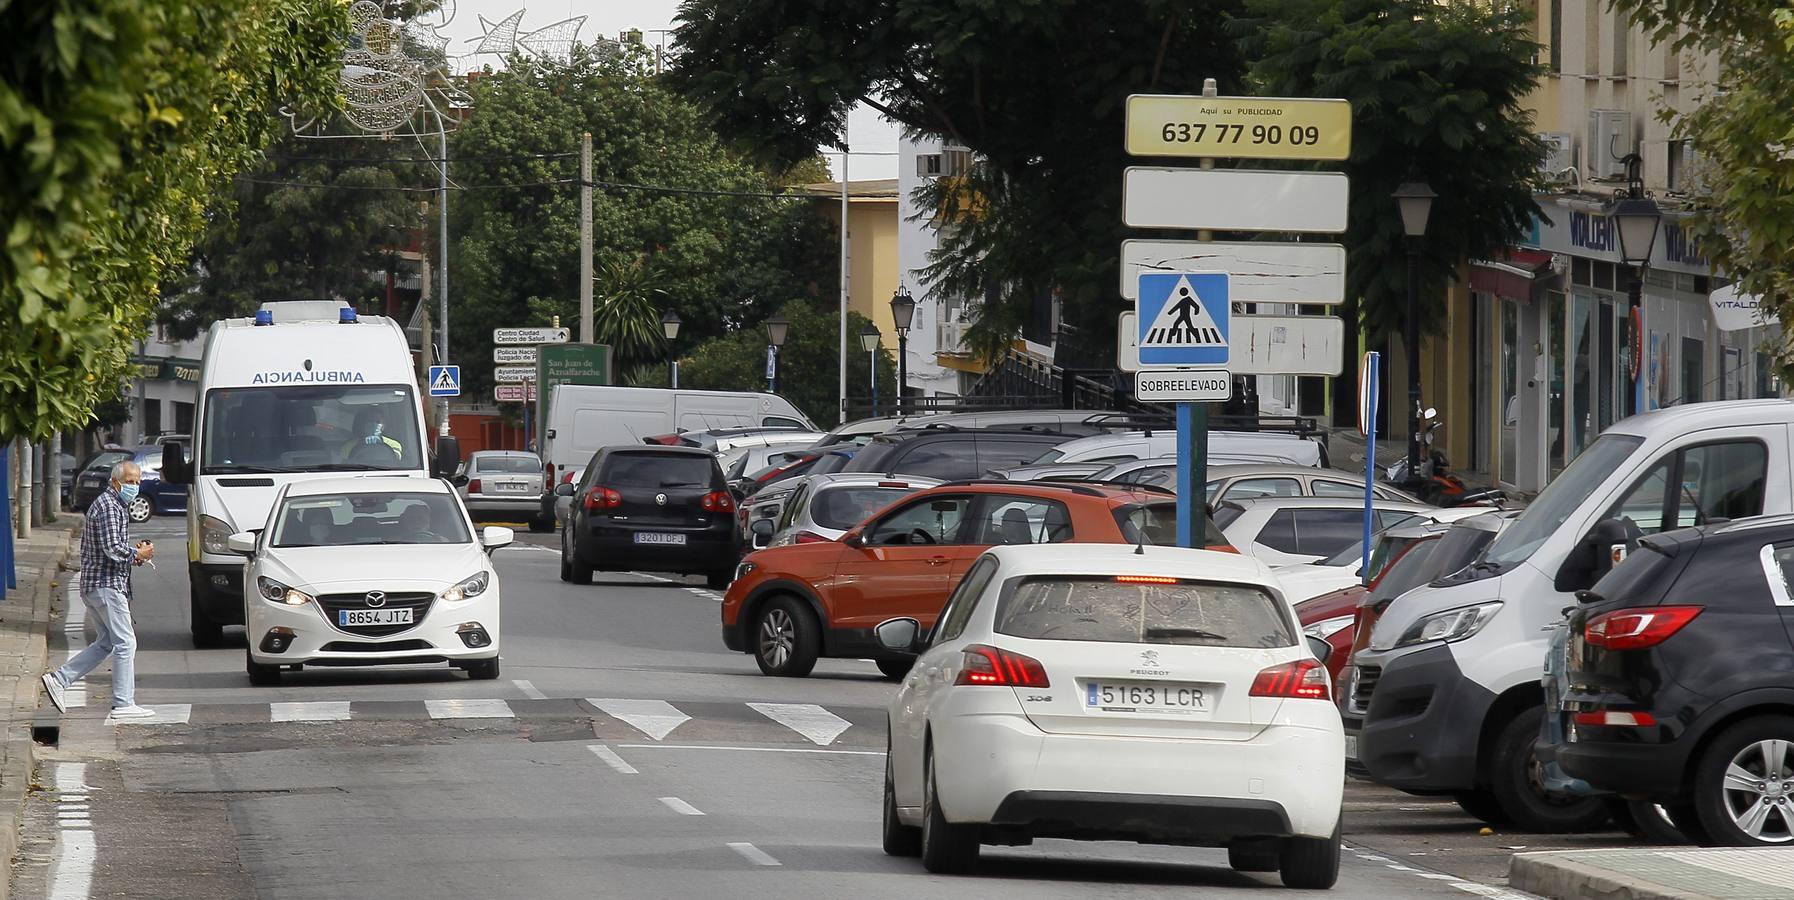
(1367, 425)
(1183, 319)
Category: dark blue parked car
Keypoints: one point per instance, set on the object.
(157, 496)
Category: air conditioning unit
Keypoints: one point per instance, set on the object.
(1609, 139)
(1560, 153)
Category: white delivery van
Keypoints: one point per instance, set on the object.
(585, 417)
(1235, 446)
(1446, 699)
(294, 392)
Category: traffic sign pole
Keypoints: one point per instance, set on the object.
(1367, 424)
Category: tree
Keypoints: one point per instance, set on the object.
(117, 119)
(721, 244)
(1036, 89)
(1436, 93)
(1743, 131)
(808, 363)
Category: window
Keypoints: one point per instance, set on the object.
(1156, 524)
(1152, 476)
(794, 508)
(1324, 532)
(932, 521)
(1721, 481)
(1325, 488)
(1279, 532)
(1562, 497)
(508, 465)
(1108, 609)
(994, 454)
(1557, 35)
(845, 507)
(1254, 488)
(657, 470)
(1778, 567)
(782, 422)
(340, 520)
(963, 600)
(945, 460)
(1225, 514)
(309, 429)
(1622, 43)
(1007, 521)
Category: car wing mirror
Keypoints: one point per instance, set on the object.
(174, 463)
(563, 490)
(448, 456)
(242, 542)
(901, 635)
(762, 528)
(855, 539)
(1320, 648)
(1605, 546)
(493, 537)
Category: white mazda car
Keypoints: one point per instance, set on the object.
(1096, 692)
(360, 571)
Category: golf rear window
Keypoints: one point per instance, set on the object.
(1144, 610)
(657, 470)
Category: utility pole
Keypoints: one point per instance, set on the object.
(585, 239)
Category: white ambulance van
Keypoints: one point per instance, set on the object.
(294, 392)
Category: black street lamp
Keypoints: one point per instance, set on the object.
(1636, 218)
(669, 326)
(1415, 200)
(869, 342)
(903, 313)
(776, 328)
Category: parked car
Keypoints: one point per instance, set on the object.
(742, 458)
(558, 502)
(951, 453)
(1341, 570)
(826, 507)
(650, 509)
(1047, 704)
(858, 432)
(1076, 422)
(95, 476)
(67, 467)
(504, 484)
(369, 571)
(793, 604)
(767, 502)
(1240, 446)
(582, 418)
(1050, 472)
(1281, 531)
(1678, 687)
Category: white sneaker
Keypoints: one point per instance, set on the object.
(56, 691)
(133, 712)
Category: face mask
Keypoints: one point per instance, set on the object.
(127, 492)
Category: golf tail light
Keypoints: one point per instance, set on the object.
(473, 486)
(1303, 679)
(808, 537)
(719, 501)
(1636, 629)
(600, 497)
(1610, 719)
(996, 667)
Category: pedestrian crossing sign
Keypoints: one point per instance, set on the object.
(445, 381)
(1183, 319)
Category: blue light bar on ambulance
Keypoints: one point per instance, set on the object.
(346, 314)
(264, 317)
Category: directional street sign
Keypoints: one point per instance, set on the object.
(1234, 200)
(523, 355)
(445, 381)
(531, 335)
(1258, 271)
(513, 374)
(1183, 318)
(513, 393)
(1238, 127)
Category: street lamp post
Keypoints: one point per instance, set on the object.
(1636, 217)
(1415, 200)
(776, 328)
(903, 313)
(869, 342)
(669, 326)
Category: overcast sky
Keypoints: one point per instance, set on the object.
(871, 134)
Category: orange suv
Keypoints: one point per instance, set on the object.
(793, 604)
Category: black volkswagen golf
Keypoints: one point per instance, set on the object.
(650, 509)
(1680, 668)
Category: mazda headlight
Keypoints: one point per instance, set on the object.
(276, 592)
(1327, 628)
(214, 535)
(468, 588)
(1451, 625)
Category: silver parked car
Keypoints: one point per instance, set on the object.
(1250, 481)
(504, 485)
(825, 507)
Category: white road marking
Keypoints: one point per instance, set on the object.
(655, 578)
(654, 718)
(165, 714)
(681, 807)
(750, 749)
(807, 719)
(753, 854)
(706, 593)
(71, 872)
(529, 690)
(1488, 890)
(309, 711)
(469, 709)
(611, 759)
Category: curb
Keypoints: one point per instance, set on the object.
(1563, 877)
(17, 753)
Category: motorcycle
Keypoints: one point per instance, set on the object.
(1435, 483)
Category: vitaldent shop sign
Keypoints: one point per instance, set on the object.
(1576, 232)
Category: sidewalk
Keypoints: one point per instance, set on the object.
(23, 618)
(1686, 873)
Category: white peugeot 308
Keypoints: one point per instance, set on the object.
(1099, 692)
(361, 571)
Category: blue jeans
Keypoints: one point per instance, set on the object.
(113, 636)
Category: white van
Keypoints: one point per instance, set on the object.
(585, 417)
(1446, 698)
(293, 393)
(1236, 446)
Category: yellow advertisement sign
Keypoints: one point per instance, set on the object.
(1238, 127)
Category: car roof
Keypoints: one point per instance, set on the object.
(1258, 470)
(367, 484)
(1325, 503)
(657, 450)
(1129, 559)
(835, 479)
(502, 453)
(1717, 414)
(1094, 490)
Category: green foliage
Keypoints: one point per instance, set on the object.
(117, 119)
(1743, 131)
(809, 374)
(1036, 88)
(1436, 93)
(719, 261)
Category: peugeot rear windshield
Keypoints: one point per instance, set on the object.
(1144, 610)
(323, 428)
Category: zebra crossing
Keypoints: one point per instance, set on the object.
(612, 718)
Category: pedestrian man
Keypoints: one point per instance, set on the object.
(107, 556)
(370, 431)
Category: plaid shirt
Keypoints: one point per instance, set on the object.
(106, 551)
